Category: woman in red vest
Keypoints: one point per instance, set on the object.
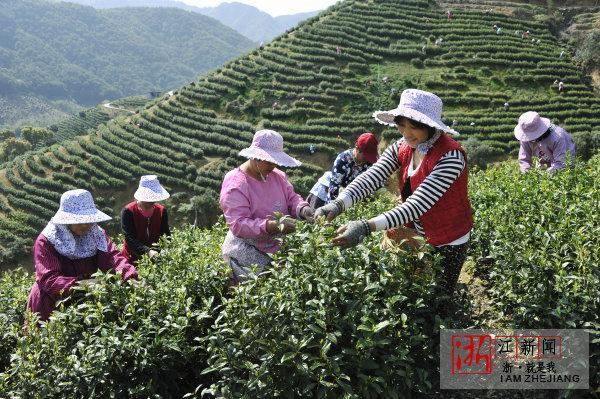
(433, 178)
(143, 221)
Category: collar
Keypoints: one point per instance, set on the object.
(425, 146)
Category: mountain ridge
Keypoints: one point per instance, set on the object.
(248, 20)
(68, 52)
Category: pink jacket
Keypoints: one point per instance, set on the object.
(248, 203)
(55, 274)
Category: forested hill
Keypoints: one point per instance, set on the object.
(319, 85)
(251, 22)
(63, 51)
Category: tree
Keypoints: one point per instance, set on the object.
(37, 135)
(589, 52)
(13, 147)
(6, 134)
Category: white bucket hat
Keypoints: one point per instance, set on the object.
(150, 190)
(421, 106)
(531, 126)
(267, 145)
(77, 206)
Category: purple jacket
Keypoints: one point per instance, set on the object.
(55, 274)
(551, 151)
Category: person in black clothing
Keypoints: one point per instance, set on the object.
(144, 221)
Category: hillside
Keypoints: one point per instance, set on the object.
(359, 323)
(300, 86)
(245, 19)
(61, 56)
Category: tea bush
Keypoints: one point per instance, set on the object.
(120, 339)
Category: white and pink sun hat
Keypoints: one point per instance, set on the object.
(267, 145)
(419, 105)
(77, 207)
(150, 190)
(531, 126)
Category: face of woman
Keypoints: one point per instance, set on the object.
(265, 167)
(80, 229)
(412, 134)
(359, 156)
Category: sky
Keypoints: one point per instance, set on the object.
(273, 7)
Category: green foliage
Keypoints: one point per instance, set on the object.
(37, 136)
(479, 153)
(90, 55)
(551, 281)
(13, 147)
(119, 339)
(589, 52)
(587, 144)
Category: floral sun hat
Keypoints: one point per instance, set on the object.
(77, 207)
(421, 106)
(267, 145)
(150, 190)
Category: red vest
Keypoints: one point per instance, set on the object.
(451, 217)
(147, 230)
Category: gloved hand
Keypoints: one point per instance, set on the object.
(351, 234)
(152, 253)
(287, 225)
(307, 213)
(331, 210)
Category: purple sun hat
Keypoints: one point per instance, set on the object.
(531, 126)
(77, 207)
(419, 105)
(267, 145)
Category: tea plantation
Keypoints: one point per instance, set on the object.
(360, 323)
(317, 84)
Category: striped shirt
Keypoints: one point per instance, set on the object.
(444, 173)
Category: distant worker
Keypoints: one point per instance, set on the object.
(449, 14)
(551, 144)
(506, 106)
(561, 87)
(347, 166)
(144, 221)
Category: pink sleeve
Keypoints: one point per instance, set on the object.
(112, 259)
(236, 208)
(524, 157)
(48, 270)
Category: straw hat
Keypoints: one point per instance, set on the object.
(531, 126)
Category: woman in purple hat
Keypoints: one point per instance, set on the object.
(250, 196)
(540, 138)
(69, 250)
(433, 179)
(346, 167)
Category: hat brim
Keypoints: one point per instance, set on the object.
(530, 136)
(387, 118)
(146, 195)
(278, 158)
(62, 217)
